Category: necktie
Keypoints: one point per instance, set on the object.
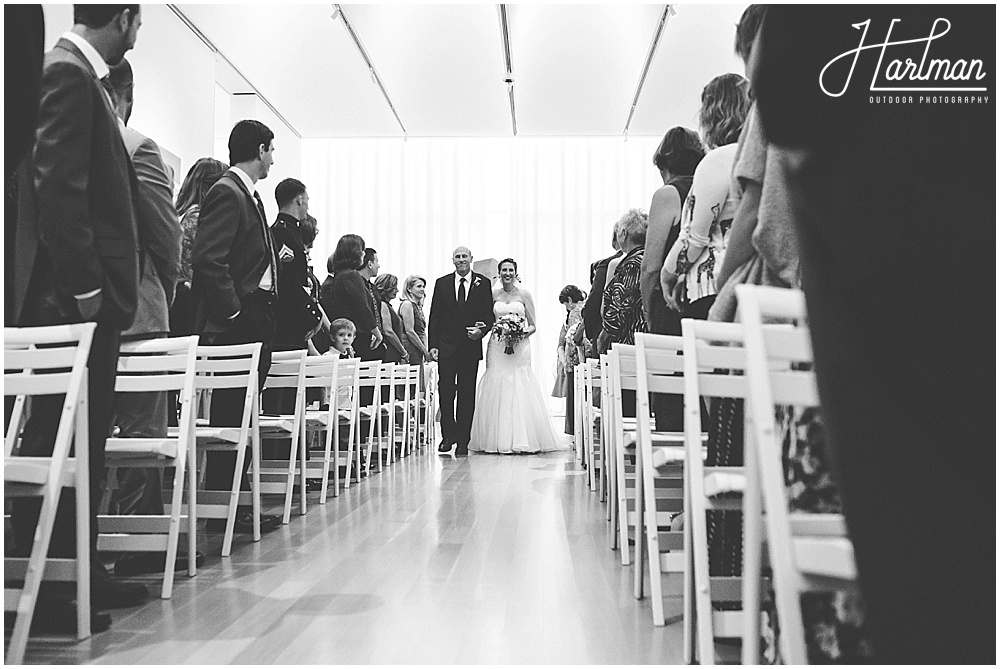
(272, 261)
(106, 84)
(461, 292)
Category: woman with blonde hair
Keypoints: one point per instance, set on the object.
(411, 311)
(688, 276)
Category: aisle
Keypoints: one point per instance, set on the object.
(480, 560)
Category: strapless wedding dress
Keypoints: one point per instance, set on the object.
(511, 413)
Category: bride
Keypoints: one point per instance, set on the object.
(511, 414)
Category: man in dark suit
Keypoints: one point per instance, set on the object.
(234, 284)
(461, 314)
(598, 278)
(77, 257)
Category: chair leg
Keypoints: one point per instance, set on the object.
(255, 464)
(173, 533)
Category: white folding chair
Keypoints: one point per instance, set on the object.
(594, 416)
(414, 404)
(330, 373)
(661, 461)
(288, 370)
(387, 410)
(808, 552)
(610, 473)
(430, 400)
(579, 398)
(235, 367)
(157, 365)
(714, 366)
(369, 373)
(59, 367)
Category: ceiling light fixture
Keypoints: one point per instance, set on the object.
(668, 11)
(339, 11)
(509, 75)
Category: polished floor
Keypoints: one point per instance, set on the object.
(484, 559)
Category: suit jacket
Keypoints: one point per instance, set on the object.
(76, 214)
(230, 253)
(161, 236)
(592, 307)
(447, 321)
(293, 281)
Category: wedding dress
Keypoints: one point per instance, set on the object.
(511, 412)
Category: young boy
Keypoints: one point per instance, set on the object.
(343, 332)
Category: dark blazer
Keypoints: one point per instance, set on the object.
(592, 307)
(76, 214)
(161, 236)
(447, 322)
(293, 279)
(344, 294)
(229, 255)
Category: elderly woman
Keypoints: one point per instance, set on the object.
(621, 315)
(386, 288)
(688, 276)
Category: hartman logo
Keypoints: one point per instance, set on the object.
(907, 65)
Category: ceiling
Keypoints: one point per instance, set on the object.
(575, 67)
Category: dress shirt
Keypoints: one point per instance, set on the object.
(468, 284)
(102, 70)
(266, 281)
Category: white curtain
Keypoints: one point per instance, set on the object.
(549, 203)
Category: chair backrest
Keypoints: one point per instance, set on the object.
(59, 367)
(320, 371)
(623, 368)
(660, 361)
(287, 370)
(347, 373)
(157, 365)
(232, 366)
(160, 365)
(714, 366)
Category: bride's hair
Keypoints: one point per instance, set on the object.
(517, 277)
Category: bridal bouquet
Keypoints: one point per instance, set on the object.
(510, 329)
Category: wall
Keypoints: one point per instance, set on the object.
(176, 95)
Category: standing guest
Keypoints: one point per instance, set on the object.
(386, 289)
(23, 34)
(144, 415)
(598, 280)
(202, 176)
(411, 311)
(296, 315)
(368, 271)
(320, 341)
(295, 312)
(572, 299)
(345, 294)
(77, 260)
(688, 276)
(676, 158)
(881, 198)
(235, 287)
(621, 316)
